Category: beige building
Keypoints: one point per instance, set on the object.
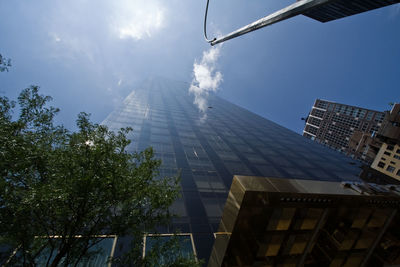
(387, 160)
(382, 149)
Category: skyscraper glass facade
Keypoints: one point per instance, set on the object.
(208, 152)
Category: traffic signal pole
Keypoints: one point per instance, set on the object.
(288, 12)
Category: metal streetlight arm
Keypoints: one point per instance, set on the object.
(290, 11)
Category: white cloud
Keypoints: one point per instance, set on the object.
(206, 79)
(137, 19)
(54, 37)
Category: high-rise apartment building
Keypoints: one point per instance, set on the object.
(334, 124)
(208, 153)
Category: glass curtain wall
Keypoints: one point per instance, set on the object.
(208, 152)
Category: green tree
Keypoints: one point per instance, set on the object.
(5, 63)
(67, 184)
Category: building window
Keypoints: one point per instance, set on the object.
(185, 241)
(390, 147)
(383, 159)
(379, 117)
(398, 151)
(381, 164)
(386, 153)
(398, 172)
(322, 104)
(104, 250)
(390, 169)
(396, 156)
(317, 113)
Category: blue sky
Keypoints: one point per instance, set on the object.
(89, 55)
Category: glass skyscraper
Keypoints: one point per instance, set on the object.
(231, 141)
